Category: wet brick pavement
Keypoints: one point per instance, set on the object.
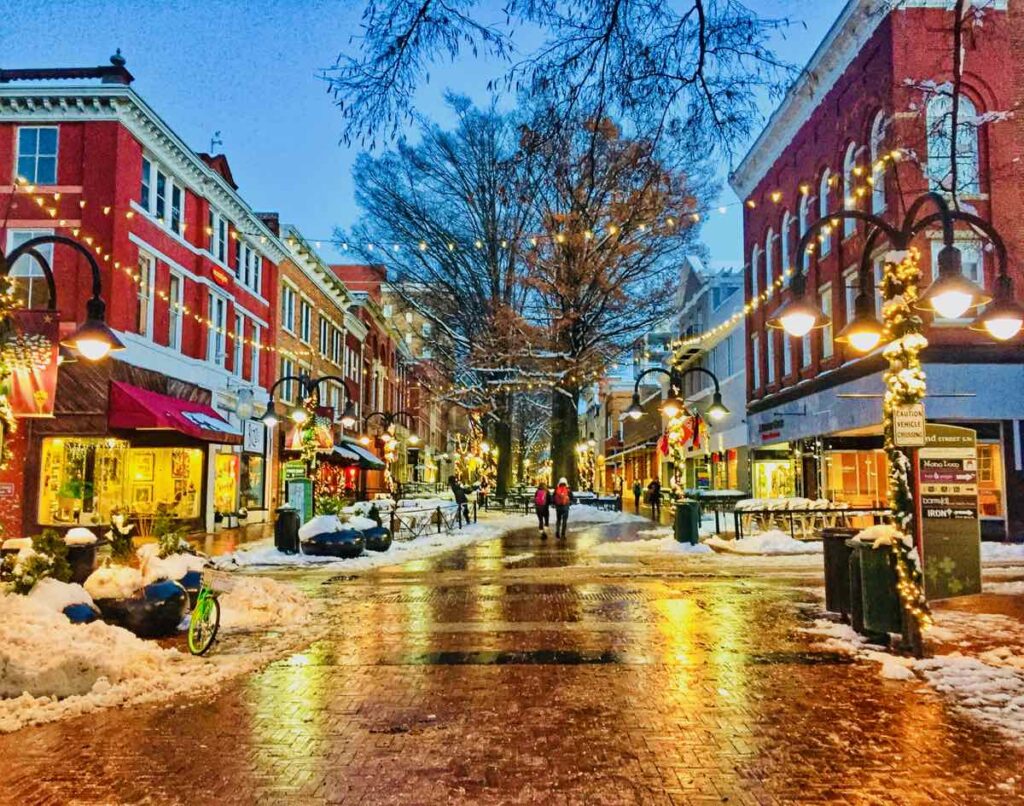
(519, 672)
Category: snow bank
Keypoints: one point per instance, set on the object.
(1005, 588)
(56, 595)
(998, 552)
(259, 602)
(174, 566)
(114, 582)
(584, 513)
(882, 534)
(320, 525)
(666, 544)
(765, 543)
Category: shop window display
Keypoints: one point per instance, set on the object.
(773, 478)
(858, 478)
(84, 479)
(990, 480)
(225, 484)
(251, 486)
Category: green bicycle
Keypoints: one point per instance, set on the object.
(205, 618)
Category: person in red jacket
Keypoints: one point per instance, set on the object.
(562, 499)
(542, 504)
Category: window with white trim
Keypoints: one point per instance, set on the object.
(37, 155)
(337, 340)
(851, 288)
(804, 213)
(755, 345)
(144, 191)
(940, 134)
(217, 229)
(325, 337)
(305, 321)
(27, 276)
(769, 354)
(825, 236)
(238, 351)
(877, 164)
(769, 268)
(254, 368)
(288, 308)
(175, 300)
(878, 270)
(787, 356)
(825, 297)
(216, 330)
(787, 224)
(287, 392)
(161, 196)
(248, 264)
(849, 192)
(755, 270)
(144, 295)
(805, 350)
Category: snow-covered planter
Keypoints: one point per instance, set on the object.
(68, 598)
(377, 538)
(183, 568)
(82, 544)
(149, 610)
(327, 536)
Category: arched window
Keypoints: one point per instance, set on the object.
(849, 190)
(940, 128)
(769, 251)
(877, 167)
(755, 269)
(804, 212)
(787, 225)
(823, 188)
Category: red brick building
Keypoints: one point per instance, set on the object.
(189, 277)
(863, 127)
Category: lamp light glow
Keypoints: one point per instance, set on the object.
(863, 332)
(348, 416)
(299, 416)
(635, 410)
(93, 340)
(951, 295)
(717, 410)
(1003, 319)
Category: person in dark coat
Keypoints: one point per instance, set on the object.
(460, 497)
(638, 490)
(654, 492)
(562, 499)
(542, 505)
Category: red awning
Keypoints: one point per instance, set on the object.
(132, 407)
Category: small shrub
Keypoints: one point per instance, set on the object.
(49, 559)
(329, 505)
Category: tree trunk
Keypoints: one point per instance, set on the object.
(565, 435)
(503, 441)
(521, 460)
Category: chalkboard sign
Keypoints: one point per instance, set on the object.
(947, 478)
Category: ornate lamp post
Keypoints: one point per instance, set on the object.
(310, 388)
(675, 409)
(389, 419)
(951, 295)
(93, 339)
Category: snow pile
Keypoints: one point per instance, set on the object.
(766, 543)
(992, 694)
(512, 559)
(320, 525)
(584, 513)
(56, 595)
(999, 552)
(1005, 588)
(882, 534)
(666, 544)
(259, 602)
(114, 582)
(80, 536)
(356, 522)
(174, 566)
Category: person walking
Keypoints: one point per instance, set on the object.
(542, 504)
(654, 493)
(461, 501)
(484, 493)
(638, 489)
(562, 499)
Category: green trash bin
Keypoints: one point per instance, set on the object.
(880, 609)
(687, 525)
(837, 553)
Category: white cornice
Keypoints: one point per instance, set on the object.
(124, 105)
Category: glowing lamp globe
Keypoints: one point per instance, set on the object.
(1003, 319)
(348, 416)
(635, 410)
(864, 341)
(671, 407)
(952, 304)
(797, 323)
(951, 295)
(864, 332)
(717, 410)
(798, 317)
(93, 340)
(299, 416)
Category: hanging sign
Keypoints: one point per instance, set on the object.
(31, 354)
(254, 437)
(909, 425)
(947, 478)
(322, 431)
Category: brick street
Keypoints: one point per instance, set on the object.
(514, 672)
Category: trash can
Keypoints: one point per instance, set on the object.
(286, 530)
(837, 570)
(687, 525)
(877, 607)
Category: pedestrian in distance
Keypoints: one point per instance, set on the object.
(461, 501)
(638, 489)
(542, 504)
(562, 499)
(654, 494)
(484, 493)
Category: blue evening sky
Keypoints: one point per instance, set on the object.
(249, 71)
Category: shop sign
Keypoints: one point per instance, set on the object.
(254, 437)
(947, 473)
(294, 470)
(909, 425)
(31, 354)
(771, 430)
(221, 276)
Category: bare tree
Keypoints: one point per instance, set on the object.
(694, 66)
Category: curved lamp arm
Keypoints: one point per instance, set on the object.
(701, 370)
(313, 385)
(646, 372)
(950, 216)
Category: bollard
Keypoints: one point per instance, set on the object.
(440, 520)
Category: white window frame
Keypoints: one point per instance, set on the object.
(787, 355)
(769, 268)
(287, 368)
(305, 320)
(150, 197)
(217, 246)
(216, 338)
(337, 341)
(144, 294)
(851, 288)
(849, 192)
(938, 132)
(254, 369)
(877, 173)
(238, 348)
(36, 156)
(288, 296)
(34, 273)
(787, 259)
(755, 345)
(755, 259)
(827, 340)
(175, 316)
(805, 351)
(769, 355)
(324, 339)
(825, 236)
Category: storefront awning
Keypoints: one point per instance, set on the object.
(361, 457)
(134, 408)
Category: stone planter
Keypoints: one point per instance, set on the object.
(155, 613)
(82, 559)
(81, 613)
(344, 543)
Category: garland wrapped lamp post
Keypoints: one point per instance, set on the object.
(675, 409)
(950, 295)
(93, 339)
(304, 415)
(389, 418)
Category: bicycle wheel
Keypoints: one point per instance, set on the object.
(202, 628)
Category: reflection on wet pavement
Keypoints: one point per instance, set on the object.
(525, 671)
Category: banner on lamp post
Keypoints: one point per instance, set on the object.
(32, 357)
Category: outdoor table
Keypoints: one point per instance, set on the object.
(718, 502)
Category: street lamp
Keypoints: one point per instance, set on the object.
(309, 386)
(674, 405)
(93, 339)
(1002, 319)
